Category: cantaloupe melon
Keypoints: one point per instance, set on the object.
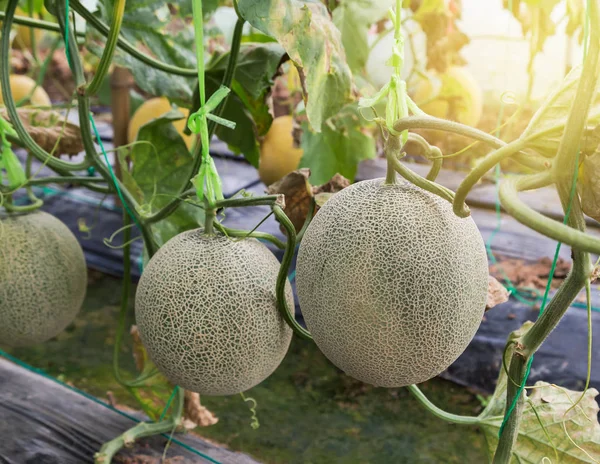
(392, 285)
(278, 156)
(43, 278)
(207, 313)
(21, 86)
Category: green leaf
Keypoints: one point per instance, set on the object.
(243, 138)
(353, 18)
(184, 8)
(159, 168)
(546, 127)
(147, 25)
(306, 32)
(257, 65)
(338, 148)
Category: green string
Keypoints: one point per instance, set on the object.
(168, 405)
(42, 373)
(207, 181)
(112, 174)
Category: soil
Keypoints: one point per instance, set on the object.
(530, 275)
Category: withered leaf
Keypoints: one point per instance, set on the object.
(497, 294)
(50, 130)
(299, 193)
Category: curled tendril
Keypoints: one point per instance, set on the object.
(255, 424)
(508, 98)
(108, 241)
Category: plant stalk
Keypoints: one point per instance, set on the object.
(564, 167)
(143, 429)
(433, 409)
(109, 48)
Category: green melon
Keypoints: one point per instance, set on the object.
(43, 278)
(207, 313)
(392, 284)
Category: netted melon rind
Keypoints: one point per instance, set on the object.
(43, 278)
(207, 313)
(392, 285)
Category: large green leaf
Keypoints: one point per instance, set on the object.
(147, 24)
(338, 148)
(160, 165)
(306, 32)
(546, 127)
(353, 18)
(257, 65)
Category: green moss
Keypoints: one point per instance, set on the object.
(309, 412)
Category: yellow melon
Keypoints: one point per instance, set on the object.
(152, 109)
(21, 86)
(278, 156)
(456, 96)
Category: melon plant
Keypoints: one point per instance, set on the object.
(392, 285)
(43, 278)
(207, 313)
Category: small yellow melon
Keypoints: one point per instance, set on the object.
(278, 156)
(23, 37)
(21, 86)
(152, 109)
(458, 96)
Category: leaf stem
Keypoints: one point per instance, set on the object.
(514, 206)
(36, 23)
(143, 429)
(440, 413)
(428, 185)
(282, 277)
(483, 166)
(246, 233)
(118, 10)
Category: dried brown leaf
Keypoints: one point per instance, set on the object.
(50, 130)
(194, 413)
(299, 193)
(497, 294)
